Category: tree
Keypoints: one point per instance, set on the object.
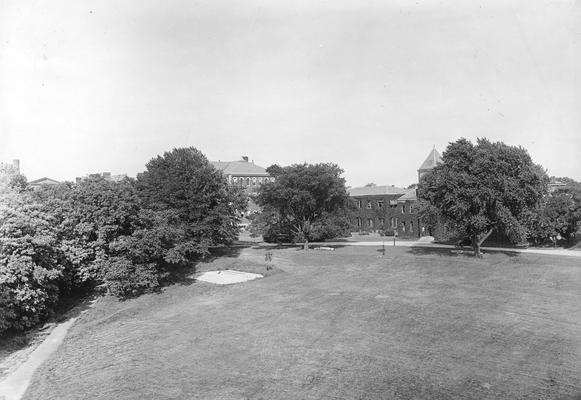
(485, 187)
(201, 202)
(31, 270)
(305, 202)
(558, 215)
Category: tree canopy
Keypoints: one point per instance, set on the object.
(305, 202)
(204, 205)
(485, 187)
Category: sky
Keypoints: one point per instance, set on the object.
(373, 86)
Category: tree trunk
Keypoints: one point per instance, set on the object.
(475, 245)
(477, 242)
(306, 245)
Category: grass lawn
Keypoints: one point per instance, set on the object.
(347, 324)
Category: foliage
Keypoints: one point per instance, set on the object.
(305, 202)
(18, 183)
(206, 208)
(485, 187)
(126, 236)
(558, 216)
(30, 267)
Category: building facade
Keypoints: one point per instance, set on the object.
(37, 183)
(387, 209)
(390, 209)
(243, 173)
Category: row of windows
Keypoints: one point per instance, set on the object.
(251, 181)
(403, 226)
(380, 204)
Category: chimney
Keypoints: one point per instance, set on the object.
(245, 158)
(16, 166)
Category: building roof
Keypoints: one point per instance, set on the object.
(241, 168)
(433, 159)
(44, 181)
(410, 195)
(375, 191)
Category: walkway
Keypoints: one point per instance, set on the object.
(424, 243)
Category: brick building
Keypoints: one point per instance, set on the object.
(391, 209)
(243, 173)
(386, 209)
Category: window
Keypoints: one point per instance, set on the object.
(403, 226)
(369, 205)
(379, 203)
(358, 203)
(411, 208)
(235, 179)
(392, 203)
(358, 222)
(370, 222)
(411, 226)
(381, 222)
(393, 222)
(403, 208)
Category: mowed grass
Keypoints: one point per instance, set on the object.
(348, 324)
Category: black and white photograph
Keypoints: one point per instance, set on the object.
(294, 200)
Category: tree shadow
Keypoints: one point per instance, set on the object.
(12, 341)
(455, 252)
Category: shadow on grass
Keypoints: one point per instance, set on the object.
(69, 307)
(455, 252)
(180, 274)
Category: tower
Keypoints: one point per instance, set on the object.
(433, 159)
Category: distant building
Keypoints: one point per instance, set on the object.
(12, 168)
(243, 173)
(433, 159)
(386, 208)
(389, 208)
(105, 175)
(42, 182)
(555, 185)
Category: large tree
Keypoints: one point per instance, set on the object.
(305, 202)
(485, 187)
(202, 205)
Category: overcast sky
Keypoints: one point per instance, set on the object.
(89, 86)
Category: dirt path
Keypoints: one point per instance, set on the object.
(23, 363)
(14, 386)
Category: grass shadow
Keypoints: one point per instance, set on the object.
(456, 252)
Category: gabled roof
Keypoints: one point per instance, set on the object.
(433, 159)
(241, 167)
(375, 191)
(44, 181)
